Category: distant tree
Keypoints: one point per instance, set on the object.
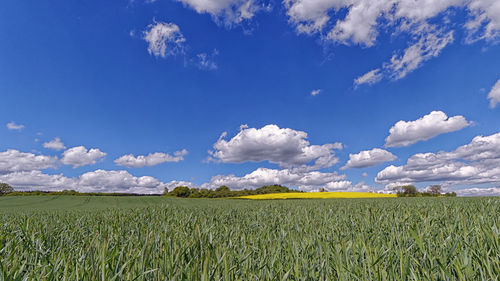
(165, 191)
(224, 191)
(206, 193)
(180, 191)
(435, 189)
(5, 188)
(406, 190)
(275, 188)
(194, 193)
(409, 190)
(66, 192)
(222, 188)
(322, 189)
(398, 189)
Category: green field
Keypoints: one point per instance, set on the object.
(157, 238)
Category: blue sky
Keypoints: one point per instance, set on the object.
(138, 93)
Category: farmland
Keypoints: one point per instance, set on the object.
(158, 238)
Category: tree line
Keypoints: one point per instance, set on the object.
(432, 191)
(179, 191)
(7, 190)
(223, 191)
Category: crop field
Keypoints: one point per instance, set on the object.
(158, 238)
(317, 195)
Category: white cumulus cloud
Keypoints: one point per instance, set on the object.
(118, 181)
(15, 161)
(494, 95)
(151, 159)
(96, 181)
(303, 180)
(485, 20)
(164, 39)
(36, 180)
(55, 144)
(80, 156)
(13, 126)
(475, 163)
(227, 12)
(405, 133)
(476, 191)
(369, 158)
(283, 146)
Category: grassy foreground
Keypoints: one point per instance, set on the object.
(157, 238)
(317, 195)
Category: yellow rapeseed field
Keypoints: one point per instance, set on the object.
(317, 195)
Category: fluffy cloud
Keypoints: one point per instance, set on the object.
(359, 22)
(36, 180)
(315, 92)
(475, 191)
(371, 77)
(13, 126)
(173, 184)
(164, 39)
(475, 163)
(80, 156)
(359, 25)
(494, 95)
(485, 20)
(227, 12)
(303, 180)
(151, 159)
(16, 161)
(310, 16)
(368, 158)
(122, 181)
(55, 144)
(405, 133)
(96, 181)
(286, 147)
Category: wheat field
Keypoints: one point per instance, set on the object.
(158, 238)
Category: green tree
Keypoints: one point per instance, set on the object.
(409, 190)
(276, 188)
(406, 190)
(5, 188)
(435, 189)
(194, 193)
(222, 189)
(180, 191)
(206, 193)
